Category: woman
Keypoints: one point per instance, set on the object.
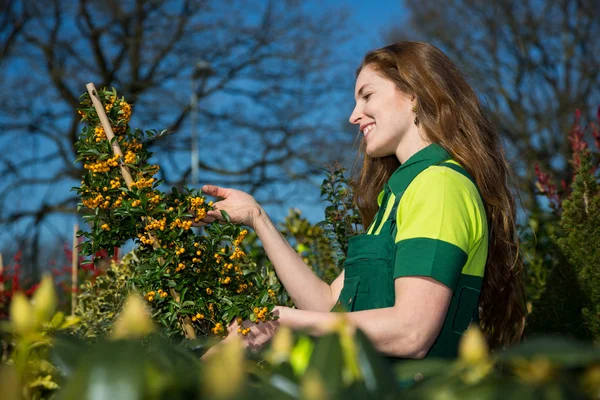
(441, 250)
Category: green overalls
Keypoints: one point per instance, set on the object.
(369, 268)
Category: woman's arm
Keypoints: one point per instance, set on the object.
(307, 290)
(408, 329)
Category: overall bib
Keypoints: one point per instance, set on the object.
(369, 268)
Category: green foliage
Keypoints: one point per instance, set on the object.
(126, 369)
(195, 284)
(100, 300)
(554, 293)
(560, 243)
(342, 220)
(312, 244)
(336, 365)
(32, 326)
(581, 238)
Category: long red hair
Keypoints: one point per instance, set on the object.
(451, 115)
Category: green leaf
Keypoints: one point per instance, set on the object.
(327, 361)
(263, 299)
(375, 370)
(226, 216)
(408, 371)
(566, 352)
(66, 353)
(300, 355)
(117, 369)
(182, 294)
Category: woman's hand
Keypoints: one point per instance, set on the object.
(241, 207)
(259, 335)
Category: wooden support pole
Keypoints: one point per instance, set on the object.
(74, 267)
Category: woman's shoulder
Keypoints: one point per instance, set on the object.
(445, 179)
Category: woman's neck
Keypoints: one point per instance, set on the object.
(413, 143)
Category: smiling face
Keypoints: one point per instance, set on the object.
(384, 115)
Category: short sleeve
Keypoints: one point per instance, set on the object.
(438, 222)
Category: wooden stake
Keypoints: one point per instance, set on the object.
(109, 132)
(186, 321)
(74, 262)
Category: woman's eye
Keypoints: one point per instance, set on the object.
(366, 96)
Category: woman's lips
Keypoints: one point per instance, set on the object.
(368, 129)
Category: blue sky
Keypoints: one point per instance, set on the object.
(369, 19)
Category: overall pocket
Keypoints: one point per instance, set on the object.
(466, 309)
(354, 295)
(372, 274)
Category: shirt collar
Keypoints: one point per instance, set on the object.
(430, 155)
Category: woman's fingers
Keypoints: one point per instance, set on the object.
(205, 221)
(216, 191)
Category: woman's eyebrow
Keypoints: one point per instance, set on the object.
(361, 90)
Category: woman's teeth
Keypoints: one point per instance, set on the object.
(368, 129)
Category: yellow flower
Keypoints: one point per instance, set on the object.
(21, 314)
(473, 347)
(134, 321)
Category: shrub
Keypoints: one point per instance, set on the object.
(564, 268)
(195, 284)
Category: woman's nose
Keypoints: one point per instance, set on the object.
(355, 116)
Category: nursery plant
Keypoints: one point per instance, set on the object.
(195, 284)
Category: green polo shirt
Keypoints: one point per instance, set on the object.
(442, 229)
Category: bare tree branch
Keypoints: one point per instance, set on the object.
(534, 63)
(260, 115)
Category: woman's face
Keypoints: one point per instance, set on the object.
(383, 114)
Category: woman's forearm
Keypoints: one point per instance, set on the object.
(306, 289)
(383, 327)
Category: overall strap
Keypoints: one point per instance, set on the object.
(392, 217)
(393, 226)
(384, 201)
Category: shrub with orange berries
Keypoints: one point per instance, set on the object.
(202, 281)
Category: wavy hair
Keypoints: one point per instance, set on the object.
(451, 115)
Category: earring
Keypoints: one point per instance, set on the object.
(414, 108)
